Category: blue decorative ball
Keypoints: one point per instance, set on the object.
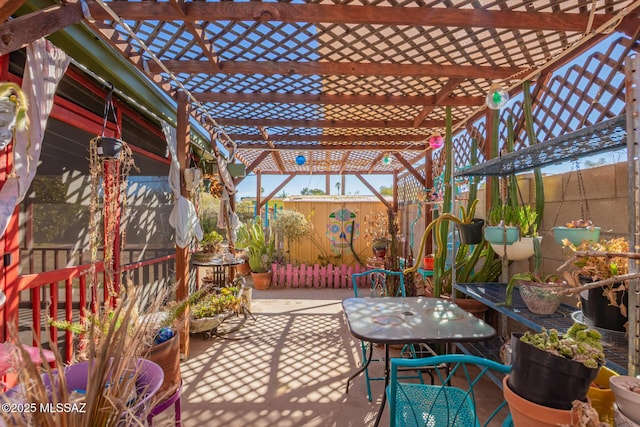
(300, 160)
(164, 334)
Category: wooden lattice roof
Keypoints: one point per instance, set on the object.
(344, 83)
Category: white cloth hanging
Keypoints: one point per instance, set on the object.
(183, 218)
(45, 66)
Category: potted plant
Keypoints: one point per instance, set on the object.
(213, 309)
(209, 247)
(13, 112)
(292, 226)
(576, 232)
(261, 251)
(604, 305)
(376, 232)
(552, 370)
(516, 226)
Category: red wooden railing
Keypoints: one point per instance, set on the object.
(68, 277)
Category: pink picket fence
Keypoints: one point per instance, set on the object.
(314, 276)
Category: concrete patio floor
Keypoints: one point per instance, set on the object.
(288, 368)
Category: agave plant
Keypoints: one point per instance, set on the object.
(253, 240)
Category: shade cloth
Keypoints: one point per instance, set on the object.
(45, 66)
(183, 217)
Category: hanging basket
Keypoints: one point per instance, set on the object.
(518, 250)
(109, 148)
(501, 235)
(575, 235)
(471, 234)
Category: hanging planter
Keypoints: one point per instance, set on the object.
(517, 251)
(471, 233)
(108, 148)
(501, 234)
(575, 235)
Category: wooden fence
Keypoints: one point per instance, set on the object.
(314, 276)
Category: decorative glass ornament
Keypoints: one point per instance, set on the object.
(164, 334)
(300, 160)
(386, 159)
(497, 97)
(436, 141)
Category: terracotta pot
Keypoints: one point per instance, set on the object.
(529, 414)
(243, 269)
(470, 305)
(473, 306)
(261, 281)
(167, 356)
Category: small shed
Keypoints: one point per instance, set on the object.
(342, 226)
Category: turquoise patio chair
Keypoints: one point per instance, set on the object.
(377, 286)
(454, 402)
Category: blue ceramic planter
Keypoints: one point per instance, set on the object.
(575, 235)
(497, 235)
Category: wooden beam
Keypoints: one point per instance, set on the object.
(250, 98)
(275, 154)
(373, 190)
(343, 164)
(352, 14)
(278, 188)
(256, 162)
(446, 90)
(113, 39)
(336, 68)
(241, 139)
(7, 7)
(334, 146)
(18, 33)
(197, 33)
(347, 124)
(182, 254)
(409, 168)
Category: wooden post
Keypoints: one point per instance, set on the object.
(258, 201)
(182, 254)
(395, 192)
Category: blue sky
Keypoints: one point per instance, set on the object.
(247, 188)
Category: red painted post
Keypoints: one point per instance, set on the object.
(68, 307)
(35, 315)
(53, 312)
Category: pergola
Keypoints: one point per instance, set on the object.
(356, 88)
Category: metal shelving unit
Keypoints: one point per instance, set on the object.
(608, 135)
(618, 132)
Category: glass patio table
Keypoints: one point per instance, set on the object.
(411, 320)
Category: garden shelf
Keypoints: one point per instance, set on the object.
(492, 294)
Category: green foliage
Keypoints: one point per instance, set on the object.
(225, 301)
(515, 216)
(386, 191)
(311, 192)
(292, 224)
(210, 242)
(252, 238)
(579, 343)
(245, 211)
